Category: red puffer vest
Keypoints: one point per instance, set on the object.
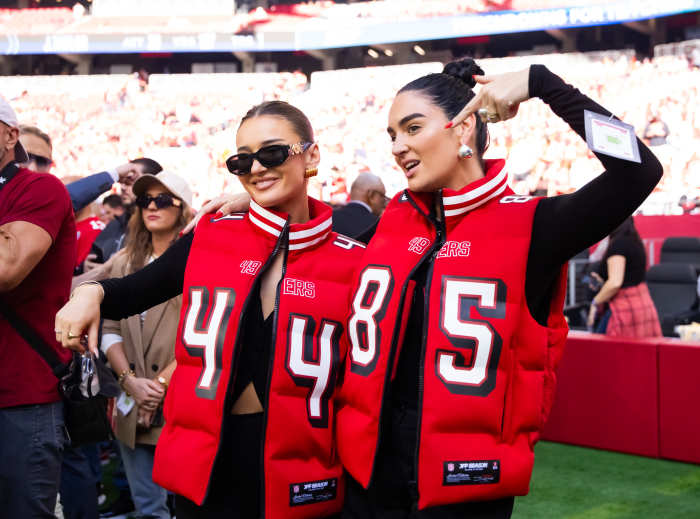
(303, 477)
(487, 367)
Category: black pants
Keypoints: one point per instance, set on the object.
(393, 492)
(234, 491)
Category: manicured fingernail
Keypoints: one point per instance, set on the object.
(219, 213)
(448, 125)
(181, 233)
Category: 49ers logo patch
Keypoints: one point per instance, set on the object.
(313, 492)
(474, 472)
(250, 267)
(418, 244)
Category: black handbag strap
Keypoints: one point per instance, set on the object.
(34, 340)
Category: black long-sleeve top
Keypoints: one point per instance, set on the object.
(563, 225)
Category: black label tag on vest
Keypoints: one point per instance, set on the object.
(313, 492)
(473, 472)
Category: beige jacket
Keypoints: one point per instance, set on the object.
(149, 350)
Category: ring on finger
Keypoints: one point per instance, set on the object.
(71, 336)
(483, 114)
(493, 118)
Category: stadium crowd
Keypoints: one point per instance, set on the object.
(187, 122)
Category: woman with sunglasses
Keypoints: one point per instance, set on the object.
(249, 410)
(141, 348)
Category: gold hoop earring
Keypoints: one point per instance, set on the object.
(311, 172)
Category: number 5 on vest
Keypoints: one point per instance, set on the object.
(459, 296)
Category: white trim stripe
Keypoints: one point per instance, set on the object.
(462, 210)
(299, 235)
(272, 217)
(263, 225)
(303, 245)
(477, 192)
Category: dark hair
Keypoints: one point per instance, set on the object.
(626, 230)
(149, 165)
(295, 117)
(113, 201)
(451, 90)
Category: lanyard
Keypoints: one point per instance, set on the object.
(7, 174)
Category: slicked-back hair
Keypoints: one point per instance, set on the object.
(300, 123)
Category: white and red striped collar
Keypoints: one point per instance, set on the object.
(301, 235)
(477, 193)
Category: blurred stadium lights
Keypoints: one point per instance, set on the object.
(388, 52)
(419, 50)
(373, 53)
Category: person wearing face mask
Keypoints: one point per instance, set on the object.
(250, 409)
(456, 322)
(143, 345)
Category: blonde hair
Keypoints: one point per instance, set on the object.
(139, 245)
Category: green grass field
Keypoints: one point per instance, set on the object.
(578, 483)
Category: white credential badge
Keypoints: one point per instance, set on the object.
(611, 137)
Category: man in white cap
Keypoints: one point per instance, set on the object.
(37, 255)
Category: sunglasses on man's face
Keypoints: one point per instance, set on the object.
(39, 160)
(162, 201)
(269, 156)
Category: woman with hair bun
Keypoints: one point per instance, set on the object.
(250, 409)
(456, 322)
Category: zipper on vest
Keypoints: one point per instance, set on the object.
(437, 245)
(266, 404)
(236, 354)
(394, 344)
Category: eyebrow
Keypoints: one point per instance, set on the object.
(264, 143)
(406, 119)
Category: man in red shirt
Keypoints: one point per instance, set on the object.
(37, 255)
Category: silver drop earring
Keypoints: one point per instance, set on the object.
(465, 152)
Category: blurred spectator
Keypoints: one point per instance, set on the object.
(35, 278)
(112, 207)
(143, 346)
(630, 309)
(83, 191)
(38, 147)
(88, 227)
(656, 132)
(367, 203)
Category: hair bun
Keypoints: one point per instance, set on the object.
(463, 69)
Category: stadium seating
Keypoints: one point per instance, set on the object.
(673, 288)
(682, 249)
(34, 21)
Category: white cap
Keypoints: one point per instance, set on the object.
(175, 184)
(8, 116)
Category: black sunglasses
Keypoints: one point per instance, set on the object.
(269, 156)
(162, 201)
(39, 160)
